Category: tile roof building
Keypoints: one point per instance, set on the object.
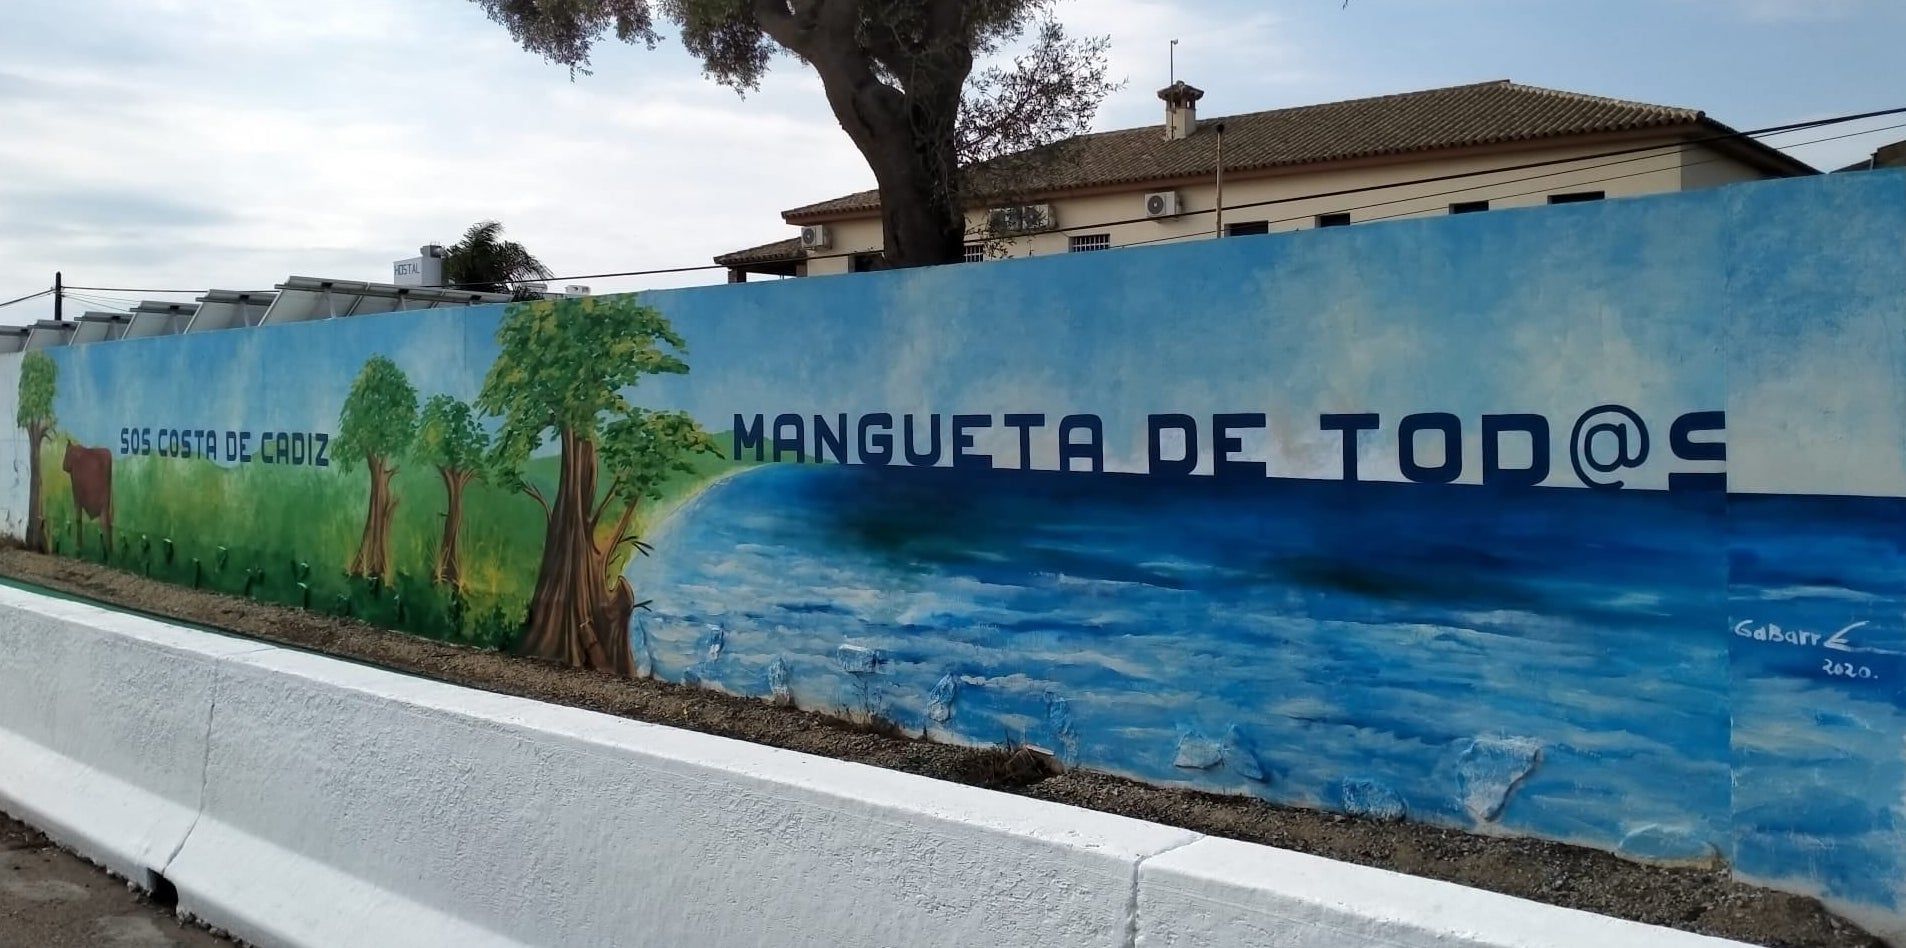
(1889, 156)
(1452, 150)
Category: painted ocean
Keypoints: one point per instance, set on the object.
(1550, 662)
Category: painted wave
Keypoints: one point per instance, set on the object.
(1555, 663)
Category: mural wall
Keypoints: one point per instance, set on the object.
(1586, 523)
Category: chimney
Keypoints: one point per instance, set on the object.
(1181, 109)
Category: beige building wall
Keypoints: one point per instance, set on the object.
(1285, 203)
(1706, 168)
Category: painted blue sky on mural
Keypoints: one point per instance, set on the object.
(1498, 315)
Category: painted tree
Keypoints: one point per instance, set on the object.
(450, 439)
(39, 380)
(899, 76)
(377, 425)
(562, 376)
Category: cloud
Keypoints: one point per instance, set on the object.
(172, 144)
(95, 210)
(1236, 55)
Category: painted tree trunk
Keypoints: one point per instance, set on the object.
(373, 552)
(449, 570)
(618, 609)
(36, 538)
(572, 614)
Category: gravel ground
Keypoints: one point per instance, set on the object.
(50, 898)
(1695, 899)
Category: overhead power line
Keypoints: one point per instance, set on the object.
(153, 292)
(1642, 151)
(1626, 155)
(29, 296)
(1552, 174)
(97, 303)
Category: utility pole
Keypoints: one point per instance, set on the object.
(59, 296)
(1220, 180)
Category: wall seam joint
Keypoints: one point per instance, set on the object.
(1131, 908)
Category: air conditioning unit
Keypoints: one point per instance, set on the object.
(1022, 219)
(1162, 204)
(816, 237)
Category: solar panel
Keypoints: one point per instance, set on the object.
(12, 338)
(96, 326)
(306, 298)
(152, 318)
(46, 334)
(229, 309)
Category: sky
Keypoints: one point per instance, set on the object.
(174, 144)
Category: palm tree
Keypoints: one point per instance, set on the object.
(484, 261)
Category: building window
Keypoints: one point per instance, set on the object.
(1468, 207)
(1081, 243)
(1578, 197)
(975, 253)
(1247, 229)
(866, 262)
(1334, 220)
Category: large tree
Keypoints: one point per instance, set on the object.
(484, 261)
(39, 379)
(450, 439)
(898, 74)
(562, 375)
(376, 427)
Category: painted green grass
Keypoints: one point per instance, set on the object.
(287, 535)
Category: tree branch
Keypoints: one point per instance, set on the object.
(781, 26)
(536, 495)
(607, 496)
(621, 529)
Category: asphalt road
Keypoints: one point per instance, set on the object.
(50, 898)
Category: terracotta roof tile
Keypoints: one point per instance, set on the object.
(1487, 113)
(780, 250)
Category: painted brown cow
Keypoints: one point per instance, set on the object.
(91, 470)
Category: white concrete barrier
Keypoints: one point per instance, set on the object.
(343, 804)
(1223, 892)
(103, 720)
(350, 805)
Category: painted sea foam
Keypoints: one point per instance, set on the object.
(1561, 663)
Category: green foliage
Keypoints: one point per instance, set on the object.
(642, 450)
(39, 378)
(379, 417)
(484, 261)
(449, 436)
(563, 368)
(284, 530)
(735, 39)
(279, 527)
(899, 75)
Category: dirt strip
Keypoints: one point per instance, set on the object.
(1694, 899)
(50, 898)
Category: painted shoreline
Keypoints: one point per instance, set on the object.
(660, 520)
